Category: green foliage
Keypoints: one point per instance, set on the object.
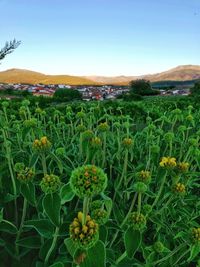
(142, 87)
(195, 90)
(63, 95)
(138, 207)
(9, 48)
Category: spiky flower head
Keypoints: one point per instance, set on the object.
(182, 166)
(38, 110)
(179, 188)
(143, 176)
(168, 162)
(98, 212)
(158, 247)
(96, 142)
(42, 144)
(25, 175)
(137, 221)
(80, 115)
(196, 235)
(87, 135)
(189, 118)
(127, 143)
(168, 137)
(140, 187)
(84, 235)
(80, 128)
(31, 123)
(103, 127)
(88, 180)
(50, 183)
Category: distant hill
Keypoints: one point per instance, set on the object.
(32, 77)
(180, 73)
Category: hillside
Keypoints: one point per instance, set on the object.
(32, 77)
(180, 73)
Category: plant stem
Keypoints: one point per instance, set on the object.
(121, 257)
(21, 225)
(160, 190)
(85, 209)
(52, 246)
(44, 165)
(139, 202)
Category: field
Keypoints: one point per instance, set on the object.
(109, 184)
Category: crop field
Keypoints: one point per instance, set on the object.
(100, 185)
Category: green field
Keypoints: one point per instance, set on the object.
(109, 184)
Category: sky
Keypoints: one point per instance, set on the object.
(101, 37)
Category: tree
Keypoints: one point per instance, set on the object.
(195, 90)
(67, 95)
(8, 48)
(142, 87)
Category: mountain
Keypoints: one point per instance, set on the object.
(180, 73)
(32, 77)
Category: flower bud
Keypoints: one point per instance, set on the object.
(88, 180)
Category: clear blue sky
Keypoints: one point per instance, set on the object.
(101, 37)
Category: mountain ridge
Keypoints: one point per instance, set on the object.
(179, 73)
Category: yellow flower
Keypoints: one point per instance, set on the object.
(168, 162)
(182, 166)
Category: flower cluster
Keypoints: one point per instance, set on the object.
(179, 188)
(25, 175)
(80, 115)
(144, 176)
(137, 220)
(96, 142)
(88, 180)
(127, 142)
(50, 183)
(84, 235)
(31, 123)
(80, 128)
(182, 166)
(168, 162)
(158, 247)
(100, 216)
(103, 127)
(87, 135)
(42, 145)
(196, 234)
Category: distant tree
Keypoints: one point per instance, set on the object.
(67, 95)
(142, 87)
(8, 48)
(195, 90)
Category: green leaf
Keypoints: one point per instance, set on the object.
(96, 256)
(57, 264)
(28, 192)
(66, 194)
(132, 239)
(8, 227)
(194, 252)
(43, 227)
(52, 205)
(30, 242)
(2, 242)
(71, 247)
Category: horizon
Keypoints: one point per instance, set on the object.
(106, 76)
(99, 37)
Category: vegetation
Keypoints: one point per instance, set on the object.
(63, 95)
(100, 184)
(142, 87)
(9, 48)
(195, 90)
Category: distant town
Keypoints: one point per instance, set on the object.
(88, 92)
